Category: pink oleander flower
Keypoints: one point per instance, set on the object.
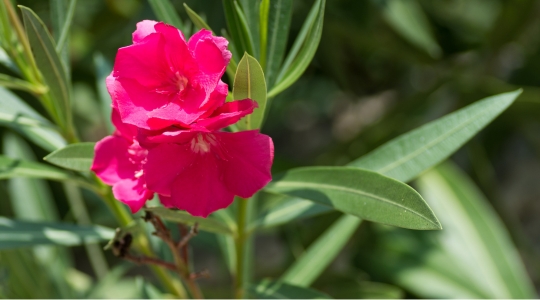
(162, 80)
(119, 161)
(201, 172)
(169, 107)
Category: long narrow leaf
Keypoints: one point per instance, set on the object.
(409, 20)
(362, 193)
(13, 167)
(475, 238)
(17, 234)
(323, 251)
(50, 66)
(408, 155)
(237, 28)
(251, 13)
(166, 12)
(297, 63)
(17, 115)
(279, 22)
(76, 157)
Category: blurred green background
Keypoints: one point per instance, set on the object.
(380, 71)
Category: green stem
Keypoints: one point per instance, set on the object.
(141, 242)
(66, 26)
(240, 247)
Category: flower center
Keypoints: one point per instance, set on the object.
(180, 81)
(201, 143)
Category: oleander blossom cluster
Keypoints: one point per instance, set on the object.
(169, 109)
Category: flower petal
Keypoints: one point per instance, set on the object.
(181, 111)
(132, 192)
(164, 163)
(134, 101)
(128, 131)
(111, 163)
(145, 62)
(199, 189)
(144, 28)
(217, 98)
(247, 167)
(229, 113)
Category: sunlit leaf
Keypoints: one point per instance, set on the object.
(268, 289)
(13, 167)
(475, 237)
(410, 154)
(49, 64)
(323, 251)
(17, 234)
(362, 193)
(206, 224)
(17, 115)
(249, 83)
(76, 157)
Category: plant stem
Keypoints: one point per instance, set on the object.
(240, 247)
(141, 242)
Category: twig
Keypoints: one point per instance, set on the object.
(149, 261)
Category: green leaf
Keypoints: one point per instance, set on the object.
(206, 224)
(19, 84)
(476, 238)
(287, 210)
(362, 193)
(17, 115)
(249, 83)
(268, 289)
(250, 10)
(17, 234)
(196, 19)
(76, 157)
(166, 12)
(279, 22)
(49, 64)
(303, 49)
(322, 252)
(410, 154)
(264, 9)
(13, 167)
(409, 20)
(237, 25)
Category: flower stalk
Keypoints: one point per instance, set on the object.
(240, 244)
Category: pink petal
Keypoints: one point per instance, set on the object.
(111, 163)
(247, 167)
(199, 189)
(134, 101)
(132, 192)
(180, 111)
(163, 165)
(176, 50)
(229, 113)
(145, 62)
(144, 28)
(217, 98)
(212, 57)
(128, 131)
(166, 201)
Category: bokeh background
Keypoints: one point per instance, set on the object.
(374, 77)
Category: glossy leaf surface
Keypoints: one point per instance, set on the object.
(362, 193)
